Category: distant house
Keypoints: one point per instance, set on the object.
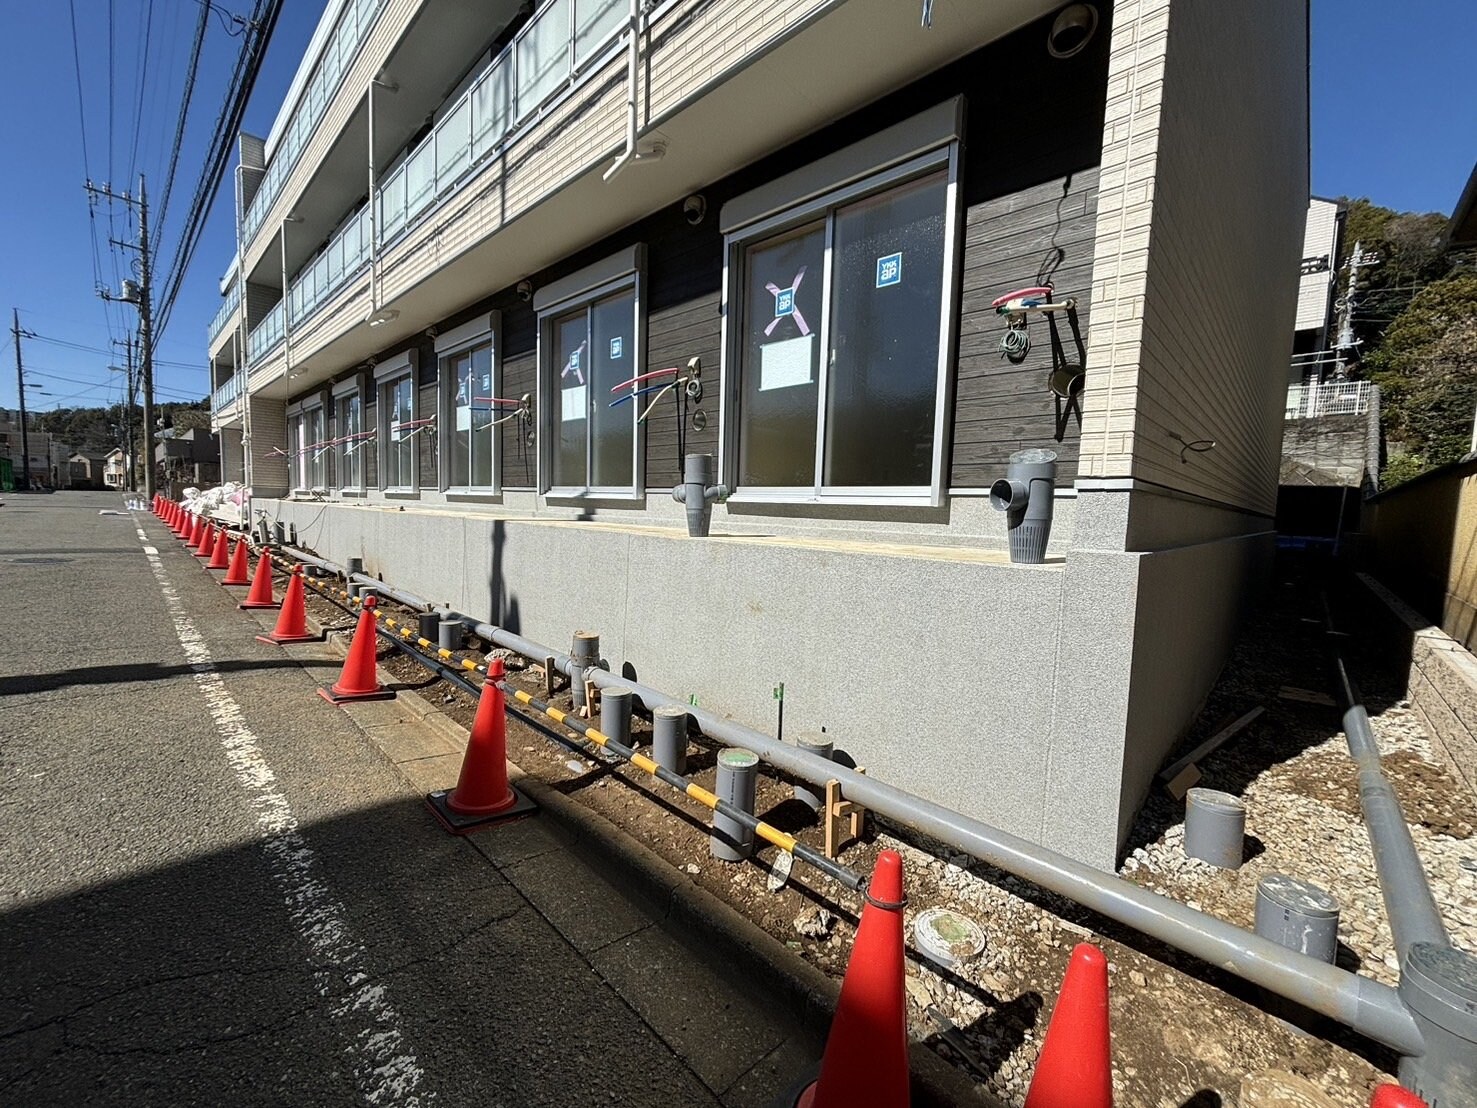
(190, 458)
(85, 470)
(115, 469)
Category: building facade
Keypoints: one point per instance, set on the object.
(485, 302)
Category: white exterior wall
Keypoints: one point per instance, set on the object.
(1320, 239)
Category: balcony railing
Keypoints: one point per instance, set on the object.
(226, 314)
(227, 392)
(352, 28)
(1328, 398)
(544, 57)
(344, 256)
(265, 335)
(542, 60)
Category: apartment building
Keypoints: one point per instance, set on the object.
(499, 270)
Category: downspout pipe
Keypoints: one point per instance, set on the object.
(1368, 1007)
(633, 66)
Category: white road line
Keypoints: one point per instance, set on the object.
(384, 1066)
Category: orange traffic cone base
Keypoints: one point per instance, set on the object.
(461, 823)
(274, 639)
(247, 605)
(334, 695)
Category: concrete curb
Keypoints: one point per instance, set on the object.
(715, 932)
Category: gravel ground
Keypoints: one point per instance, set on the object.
(1184, 1035)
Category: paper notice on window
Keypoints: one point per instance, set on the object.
(784, 365)
(573, 401)
(394, 430)
(464, 417)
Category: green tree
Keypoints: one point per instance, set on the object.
(1426, 366)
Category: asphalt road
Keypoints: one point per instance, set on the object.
(213, 889)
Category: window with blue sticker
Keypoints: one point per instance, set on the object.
(475, 411)
(592, 442)
(838, 384)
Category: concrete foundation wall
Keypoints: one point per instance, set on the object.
(941, 670)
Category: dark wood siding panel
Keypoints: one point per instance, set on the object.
(674, 335)
(425, 451)
(369, 458)
(517, 456)
(1009, 242)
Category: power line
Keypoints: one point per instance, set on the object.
(109, 353)
(228, 124)
(143, 80)
(191, 69)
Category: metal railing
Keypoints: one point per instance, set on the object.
(348, 35)
(340, 260)
(543, 59)
(540, 62)
(227, 392)
(1314, 399)
(265, 335)
(225, 314)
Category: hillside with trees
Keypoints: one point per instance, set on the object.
(1416, 318)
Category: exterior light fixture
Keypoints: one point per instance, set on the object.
(1071, 30)
(383, 316)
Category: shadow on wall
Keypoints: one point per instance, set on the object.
(504, 603)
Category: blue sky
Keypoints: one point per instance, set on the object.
(1394, 105)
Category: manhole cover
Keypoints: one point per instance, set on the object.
(40, 561)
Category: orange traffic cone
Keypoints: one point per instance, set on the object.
(482, 795)
(236, 571)
(1075, 1067)
(177, 521)
(1393, 1096)
(220, 554)
(358, 681)
(292, 620)
(260, 595)
(207, 540)
(192, 533)
(866, 1058)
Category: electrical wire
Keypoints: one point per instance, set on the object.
(192, 69)
(253, 49)
(142, 83)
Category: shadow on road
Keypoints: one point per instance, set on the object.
(142, 671)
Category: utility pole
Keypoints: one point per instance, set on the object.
(141, 296)
(1346, 343)
(128, 443)
(20, 388)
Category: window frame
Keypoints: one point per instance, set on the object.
(353, 388)
(897, 156)
(484, 330)
(622, 272)
(299, 466)
(386, 377)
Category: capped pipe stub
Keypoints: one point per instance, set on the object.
(1215, 800)
(1440, 983)
(947, 937)
(1298, 896)
(735, 758)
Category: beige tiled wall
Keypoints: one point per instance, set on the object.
(1202, 196)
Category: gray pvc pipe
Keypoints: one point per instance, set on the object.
(1409, 905)
(737, 781)
(669, 738)
(615, 715)
(1368, 1007)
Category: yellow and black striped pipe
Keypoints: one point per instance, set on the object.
(443, 660)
